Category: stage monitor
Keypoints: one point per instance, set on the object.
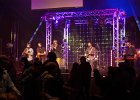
(50, 4)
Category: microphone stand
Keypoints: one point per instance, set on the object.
(99, 54)
(77, 54)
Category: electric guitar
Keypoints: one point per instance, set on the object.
(41, 55)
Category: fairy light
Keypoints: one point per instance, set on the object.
(111, 63)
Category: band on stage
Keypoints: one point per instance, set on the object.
(91, 53)
(41, 52)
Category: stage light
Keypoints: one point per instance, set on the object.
(56, 21)
(53, 18)
(42, 18)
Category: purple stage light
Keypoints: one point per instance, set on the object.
(56, 21)
(53, 18)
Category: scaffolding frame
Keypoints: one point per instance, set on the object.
(118, 36)
(118, 32)
(48, 35)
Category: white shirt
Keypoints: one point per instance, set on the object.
(30, 53)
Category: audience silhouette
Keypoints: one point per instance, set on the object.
(44, 81)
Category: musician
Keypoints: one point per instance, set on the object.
(28, 52)
(41, 52)
(130, 54)
(137, 64)
(56, 49)
(130, 51)
(91, 55)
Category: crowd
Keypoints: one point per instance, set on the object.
(44, 81)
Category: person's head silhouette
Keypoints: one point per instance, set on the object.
(51, 56)
(82, 59)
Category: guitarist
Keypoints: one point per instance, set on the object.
(28, 52)
(91, 55)
(41, 52)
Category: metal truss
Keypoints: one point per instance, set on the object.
(65, 42)
(48, 34)
(107, 20)
(58, 15)
(122, 36)
(118, 36)
(115, 36)
(112, 17)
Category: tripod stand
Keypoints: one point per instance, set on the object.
(77, 54)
